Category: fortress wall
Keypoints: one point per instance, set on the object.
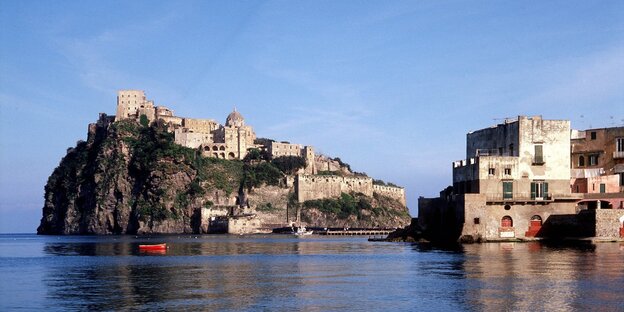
(200, 125)
(176, 121)
(310, 187)
(278, 149)
(391, 191)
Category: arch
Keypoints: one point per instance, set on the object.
(222, 155)
(535, 226)
(506, 221)
(222, 148)
(215, 155)
(215, 148)
(581, 162)
(231, 155)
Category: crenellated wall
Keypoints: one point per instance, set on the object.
(310, 187)
(391, 191)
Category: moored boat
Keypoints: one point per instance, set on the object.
(152, 247)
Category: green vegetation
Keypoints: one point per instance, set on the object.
(289, 164)
(266, 207)
(144, 121)
(329, 172)
(262, 173)
(342, 164)
(381, 182)
(343, 207)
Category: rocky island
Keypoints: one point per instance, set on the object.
(147, 171)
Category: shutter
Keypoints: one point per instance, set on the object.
(533, 186)
(545, 195)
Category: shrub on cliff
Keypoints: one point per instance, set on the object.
(262, 173)
(289, 164)
(342, 207)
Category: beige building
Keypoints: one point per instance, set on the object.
(514, 178)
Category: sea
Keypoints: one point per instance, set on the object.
(313, 273)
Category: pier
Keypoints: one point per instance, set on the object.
(349, 232)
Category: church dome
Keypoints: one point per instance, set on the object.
(235, 119)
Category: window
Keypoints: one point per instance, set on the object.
(511, 150)
(581, 162)
(539, 155)
(507, 190)
(477, 221)
(539, 190)
(507, 171)
(593, 159)
(491, 171)
(603, 188)
(592, 135)
(621, 179)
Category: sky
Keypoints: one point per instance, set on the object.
(390, 87)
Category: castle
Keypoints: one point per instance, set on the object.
(230, 141)
(234, 140)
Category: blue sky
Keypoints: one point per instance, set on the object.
(391, 87)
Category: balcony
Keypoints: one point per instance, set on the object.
(618, 155)
(526, 197)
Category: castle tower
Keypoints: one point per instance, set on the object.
(128, 103)
(237, 136)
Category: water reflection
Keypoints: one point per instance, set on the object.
(233, 273)
(536, 276)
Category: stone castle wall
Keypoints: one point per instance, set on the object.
(391, 191)
(310, 187)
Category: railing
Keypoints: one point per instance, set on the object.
(516, 197)
(617, 155)
(491, 152)
(527, 197)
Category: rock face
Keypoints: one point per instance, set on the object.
(128, 178)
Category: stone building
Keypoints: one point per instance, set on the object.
(131, 104)
(280, 149)
(515, 176)
(514, 183)
(598, 160)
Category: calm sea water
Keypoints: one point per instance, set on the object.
(283, 273)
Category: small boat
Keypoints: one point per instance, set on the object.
(301, 231)
(153, 247)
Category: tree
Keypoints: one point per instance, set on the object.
(289, 164)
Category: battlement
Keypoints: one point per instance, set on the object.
(391, 191)
(310, 187)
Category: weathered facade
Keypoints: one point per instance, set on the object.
(515, 183)
(597, 161)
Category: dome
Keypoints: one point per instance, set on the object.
(235, 119)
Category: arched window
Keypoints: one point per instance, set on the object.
(581, 162)
(231, 155)
(222, 148)
(215, 148)
(506, 222)
(536, 220)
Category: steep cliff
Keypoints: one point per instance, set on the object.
(128, 178)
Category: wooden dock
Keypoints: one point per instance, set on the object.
(364, 232)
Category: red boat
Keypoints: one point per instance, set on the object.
(153, 247)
